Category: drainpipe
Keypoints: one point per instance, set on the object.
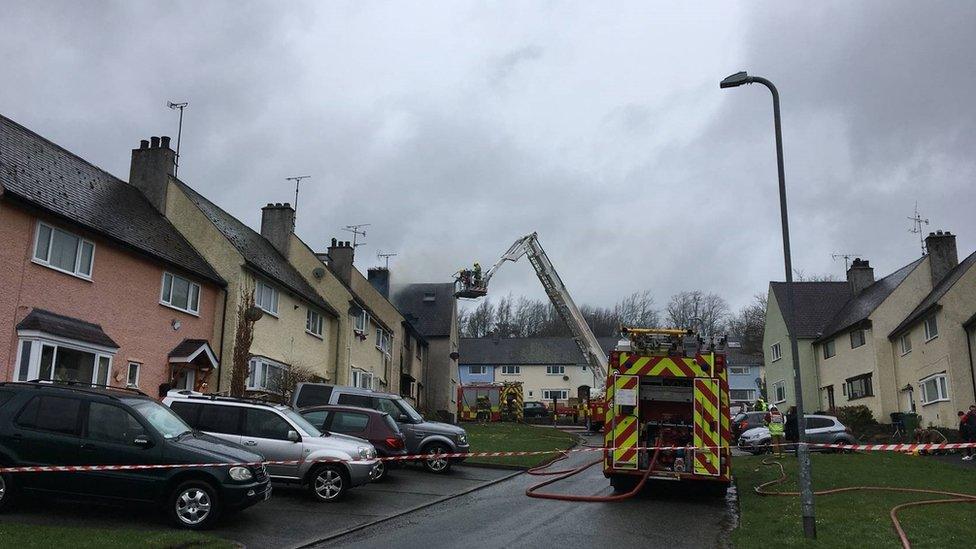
(969, 347)
(223, 330)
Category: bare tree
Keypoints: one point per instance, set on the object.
(696, 310)
(247, 315)
(287, 379)
(480, 321)
(748, 325)
(800, 276)
(637, 310)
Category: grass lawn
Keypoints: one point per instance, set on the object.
(856, 519)
(508, 437)
(30, 535)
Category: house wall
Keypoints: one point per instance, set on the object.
(443, 374)
(782, 369)
(848, 363)
(534, 379)
(364, 353)
(466, 377)
(413, 365)
(123, 297)
(746, 381)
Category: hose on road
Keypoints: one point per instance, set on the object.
(564, 474)
(893, 513)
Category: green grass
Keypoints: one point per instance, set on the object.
(30, 535)
(857, 519)
(507, 437)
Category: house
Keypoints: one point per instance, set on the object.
(745, 374)
(414, 353)
(431, 308)
(98, 286)
(548, 367)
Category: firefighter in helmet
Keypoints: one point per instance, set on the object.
(776, 423)
(477, 274)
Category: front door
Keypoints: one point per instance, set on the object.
(266, 433)
(707, 433)
(109, 439)
(830, 397)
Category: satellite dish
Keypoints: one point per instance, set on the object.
(565, 378)
(318, 272)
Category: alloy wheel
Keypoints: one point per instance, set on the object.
(435, 461)
(193, 506)
(328, 484)
(380, 470)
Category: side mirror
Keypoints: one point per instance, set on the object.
(143, 441)
(294, 436)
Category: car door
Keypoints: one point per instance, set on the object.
(221, 420)
(46, 432)
(413, 434)
(818, 429)
(350, 423)
(266, 432)
(109, 437)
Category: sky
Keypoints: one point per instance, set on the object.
(453, 128)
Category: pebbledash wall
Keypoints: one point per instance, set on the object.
(123, 297)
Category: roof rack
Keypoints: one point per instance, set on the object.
(223, 398)
(80, 386)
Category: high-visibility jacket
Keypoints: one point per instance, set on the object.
(777, 423)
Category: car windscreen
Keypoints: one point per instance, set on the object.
(160, 417)
(408, 410)
(301, 422)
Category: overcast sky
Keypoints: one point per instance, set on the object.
(454, 128)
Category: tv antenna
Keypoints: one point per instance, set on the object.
(357, 231)
(385, 256)
(917, 222)
(847, 258)
(179, 132)
(297, 179)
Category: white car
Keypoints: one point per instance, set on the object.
(820, 429)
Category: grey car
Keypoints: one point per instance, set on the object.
(327, 464)
(820, 429)
(432, 439)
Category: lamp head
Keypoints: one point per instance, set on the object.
(735, 80)
(174, 106)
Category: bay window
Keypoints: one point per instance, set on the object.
(62, 360)
(934, 388)
(265, 374)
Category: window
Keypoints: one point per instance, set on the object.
(180, 293)
(739, 370)
(55, 361)
(384, 340)
(818, 423)
(107, 423)
(511, 370)
(187, 411)
(313, 323)
(361, 379)
(363, 401)
(775, 351)
(555, 370)
(265, 424)
(857, 338)
(266, 297)
(132, 376)
(349, 422)
(215, 418)
(317, 418)
(829, 349)
(362, 321)
(558, 394)
(742, 394)
(934, 388)
(51, 413)
(477, 370)
(931, 328)
(63, 251)
(906, 344)
(265, 375)
(779, 391)
(859, 387)
(530, 393)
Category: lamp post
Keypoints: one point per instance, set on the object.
(802, 452)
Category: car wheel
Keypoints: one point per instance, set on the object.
(193, 505)
(379, 473)
(435, 462)
(328, 483)
(6, 492)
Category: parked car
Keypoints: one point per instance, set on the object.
(45, 423)
(280, 434)
(373, 425)
(744, 421)
(820, 429)
(430, 438)
(535, 409)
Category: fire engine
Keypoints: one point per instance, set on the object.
(667, 388)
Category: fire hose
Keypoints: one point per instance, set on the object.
(566, 473)
(955, 497)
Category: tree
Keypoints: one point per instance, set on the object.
(480, 321)
(637, 309)
(247, 315)
(800, 276)
(705, 313)
(749, 324)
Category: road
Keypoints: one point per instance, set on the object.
(502, 516)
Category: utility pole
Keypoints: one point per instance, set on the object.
(179, 132)
(917, 222)
(386, 256)
(357, 231)
(297, 179)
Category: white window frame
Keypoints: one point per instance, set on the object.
(362, 322)
(128, 374)
(511, 370)
(260, 370)
(259, 290)
(750, 392)
(941, 381)
(905, 343)
(314, 323)
(363, 379)
(168, 300)
(482, 370)
(829, 344)
(547, 394)
(738, 370)
(781, 384)
(40, 339)
(931, 334)
(384, 341)
(555, 370)
(776, 351)
(45, 261)
(864, 338)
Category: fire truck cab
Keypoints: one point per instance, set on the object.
(667, 388)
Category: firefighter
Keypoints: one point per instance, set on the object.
(484, 409)
(477, 274)
(776, 422)
(760, 404)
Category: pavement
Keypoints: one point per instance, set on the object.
(665, 514)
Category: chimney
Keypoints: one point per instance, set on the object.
(379, 277)
(341, 255)
(277, 225)
(152, 164)
(860, 275)
(943, 257)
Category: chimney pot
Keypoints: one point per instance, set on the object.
(164, 141)
(341, 257)
(860, 275)
(333, 242)
(150, 170)
(943, 256)
(277, 226)
(144, 144)
(154, 142)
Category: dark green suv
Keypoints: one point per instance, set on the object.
(64, 425)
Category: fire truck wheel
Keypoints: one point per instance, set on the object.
(623, 483)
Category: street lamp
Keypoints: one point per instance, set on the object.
(802, 452)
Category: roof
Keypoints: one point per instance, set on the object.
(67, 327)
(525, 350)
(41, 174)
(737, 357)
(259, 254)
(932, 299)
(432, 318)
(860, 307)
(816, 303)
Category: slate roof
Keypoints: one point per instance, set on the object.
(735, 356)
(430, 318)
(932, 299)
(816, 303)
(41, 174)
(187, 347)
(259, 254)
(527, 350)
(66, 326)
(860, 307)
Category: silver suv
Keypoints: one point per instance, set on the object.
(327, 464)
